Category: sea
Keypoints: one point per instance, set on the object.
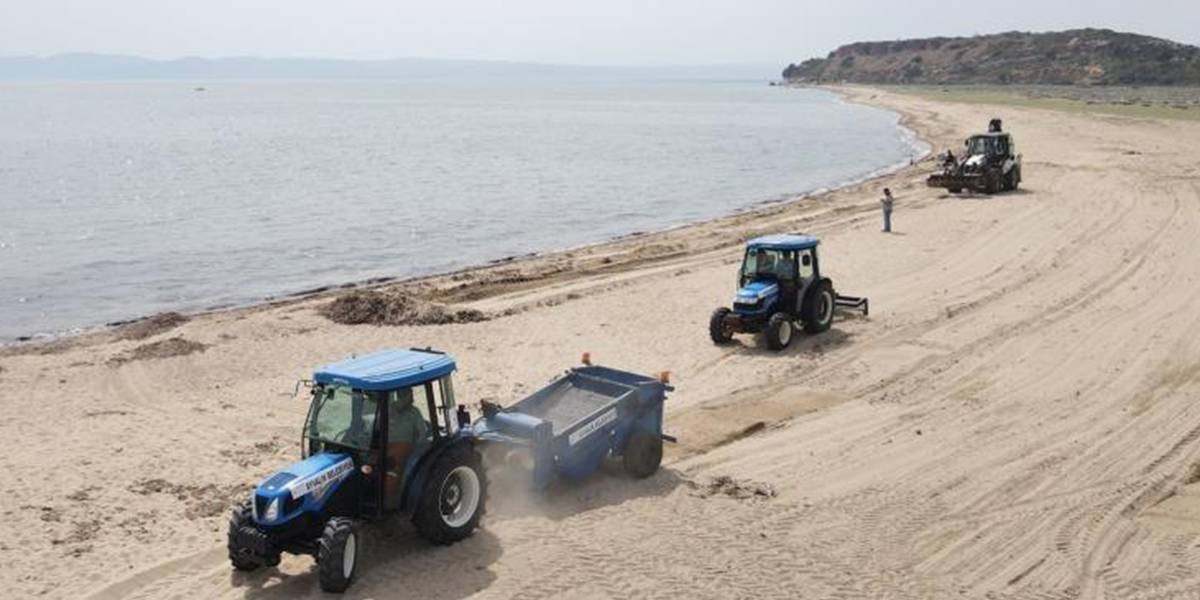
(123, 199)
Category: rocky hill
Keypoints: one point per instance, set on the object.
(1074, 57)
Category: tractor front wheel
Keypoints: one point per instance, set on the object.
(779, 331)
(239, 557)
(818, 311)
(642, 454)
(337, 554)
(992, 182)
(718, 329)
(452, 500)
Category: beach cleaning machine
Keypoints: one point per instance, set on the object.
(591, 412)
(384, 435)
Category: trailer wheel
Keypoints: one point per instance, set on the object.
(717, 329)
(779, 331)
(452, 501)
(239, 557)
(337, 554)
(818, 311)
(954, 190)
(642, 454)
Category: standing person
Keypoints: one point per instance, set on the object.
(887, 203)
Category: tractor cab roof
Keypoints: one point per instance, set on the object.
(387, 369)
(783, 241)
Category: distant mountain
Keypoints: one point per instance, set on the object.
(120, 67)
(1074, 57)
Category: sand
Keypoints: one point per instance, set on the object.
(1016, 418)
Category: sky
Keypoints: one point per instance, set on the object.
(599, 32)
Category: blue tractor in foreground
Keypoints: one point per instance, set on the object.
(780, 289)
(385, 436)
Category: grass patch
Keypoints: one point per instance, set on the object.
(1181, 103)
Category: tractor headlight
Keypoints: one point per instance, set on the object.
(272, 510)
(747, 303)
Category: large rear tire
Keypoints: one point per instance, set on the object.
(239, 557)
(779, 331)
(338, 551)
(818, 310)
(717, 329)
(642, 454)
(452, 501)
(1009, 181)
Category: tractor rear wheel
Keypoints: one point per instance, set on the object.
(642, 454)
(337, 554)
(451, 503)
(240, 559)
(818, 311)
(717, 329)
(779, 331)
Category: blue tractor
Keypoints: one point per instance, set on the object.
(384, 436)
(780, 289)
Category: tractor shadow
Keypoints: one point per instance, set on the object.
(510, 495)
(980, 196)
(395, 560)
(804, 345)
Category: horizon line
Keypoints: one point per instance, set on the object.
(496, 61)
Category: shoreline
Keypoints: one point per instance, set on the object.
(909, 134)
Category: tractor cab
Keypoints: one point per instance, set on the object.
(991, 146)
(384, 411)
(775, 272)
(780, 288)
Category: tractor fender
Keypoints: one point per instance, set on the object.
(811, 290)
(420, 472)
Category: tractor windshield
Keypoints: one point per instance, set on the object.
(343, 416)
(765, 262)
(987, 145)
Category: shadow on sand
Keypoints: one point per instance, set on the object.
(395, 562)
(512, 497)
(803, 344)
(981, 196)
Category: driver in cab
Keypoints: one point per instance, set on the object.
(767, 263)
(407, 429)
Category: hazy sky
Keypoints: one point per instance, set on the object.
(554, 31)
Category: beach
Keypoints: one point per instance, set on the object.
(1015, 418)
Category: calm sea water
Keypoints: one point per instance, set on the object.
(124, 199)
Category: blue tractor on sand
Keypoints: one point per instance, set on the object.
(385, 436)
(780, 289)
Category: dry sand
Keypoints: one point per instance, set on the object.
(1017, 418)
